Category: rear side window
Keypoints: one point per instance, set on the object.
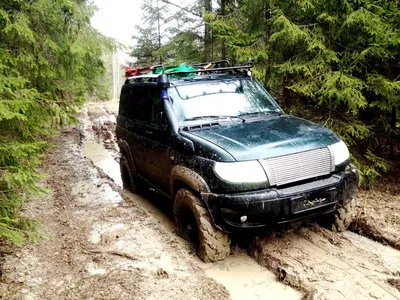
(123, 101)
(157, 105)
(141, 102)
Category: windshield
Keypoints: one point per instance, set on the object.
(221, 99)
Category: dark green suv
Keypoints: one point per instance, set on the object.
(215, 142)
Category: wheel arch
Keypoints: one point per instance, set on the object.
(183, 177)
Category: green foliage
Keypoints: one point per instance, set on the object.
(50, 58)
(168, 34)
(336, 64)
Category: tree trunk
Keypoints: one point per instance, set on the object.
(159, 31)
(207, 33)
(393, 132)
(223, 13)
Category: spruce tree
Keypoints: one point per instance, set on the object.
(50, 58)
(336, 63)
(181, 38)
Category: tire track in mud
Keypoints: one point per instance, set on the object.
(241, 275)
(97, 246)
(319, 263)
(327, 265)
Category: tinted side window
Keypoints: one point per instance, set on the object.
(123, 101)
(157, 105)
(140, 103)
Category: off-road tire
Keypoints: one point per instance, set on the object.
(129, 180)
(213, 244)
(341, 219)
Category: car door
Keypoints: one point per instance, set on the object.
(152, 142)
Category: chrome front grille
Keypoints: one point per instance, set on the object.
(298, 166)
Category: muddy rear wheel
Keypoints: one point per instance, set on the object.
(341, 219)
(129, 180)
(194, 223)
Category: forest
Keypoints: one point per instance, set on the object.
(335, 62)
(50, 61)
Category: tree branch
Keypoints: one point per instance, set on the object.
(182, 8)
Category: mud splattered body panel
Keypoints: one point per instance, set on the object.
(294, 154)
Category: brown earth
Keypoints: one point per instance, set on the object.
(106, 243)
(378, 212)
(327, 265)
(103, 242)
(98, 246)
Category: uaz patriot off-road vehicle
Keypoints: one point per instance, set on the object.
(212, 139)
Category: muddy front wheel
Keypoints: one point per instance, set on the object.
(341, 219)
(194, 223)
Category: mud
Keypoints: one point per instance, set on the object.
(106, 243)
(394, 282)
(98, 246)
(239, 273)
(378, 214)
(245, 279)
(327, 265)
(232, 273)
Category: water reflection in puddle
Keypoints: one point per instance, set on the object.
(102, 159)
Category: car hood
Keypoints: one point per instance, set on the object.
(270, 137)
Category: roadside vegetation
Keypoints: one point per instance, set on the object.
(333, 62)
(50, 60)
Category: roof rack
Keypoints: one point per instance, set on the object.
(163, 78)
(234, 68)
(212, 63)
(143, 76)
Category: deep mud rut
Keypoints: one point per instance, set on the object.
(103, 242)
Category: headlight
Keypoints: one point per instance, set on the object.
(340, 152)
(240, 172)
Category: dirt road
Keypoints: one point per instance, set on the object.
(105, 243)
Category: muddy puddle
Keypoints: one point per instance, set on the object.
(240, 274)
(246, 279)
(102, 159)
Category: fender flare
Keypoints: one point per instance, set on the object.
(189, 177)
(197, 183)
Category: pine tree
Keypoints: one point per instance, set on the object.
(50, 58)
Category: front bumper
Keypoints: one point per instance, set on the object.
(276, 206)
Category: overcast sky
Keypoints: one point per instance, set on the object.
(117, 18)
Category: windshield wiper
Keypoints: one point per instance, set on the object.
(214, 117)
(260, 113)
